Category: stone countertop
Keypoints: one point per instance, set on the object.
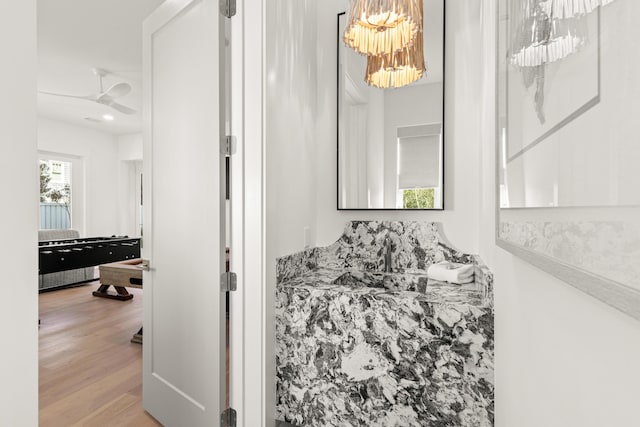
(394, 284)
(356, 346)
(352, 355)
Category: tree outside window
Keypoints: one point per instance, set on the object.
(418, 198)
(55, 194)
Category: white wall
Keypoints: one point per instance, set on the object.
(99, 153)
(400, 111)
(462, 126)
(291, 124)
(290, 129)
(301, 127)
(130, 147)
(375, 150)
(362, 151)
(563, 358)
(19, 219)
(128, 163)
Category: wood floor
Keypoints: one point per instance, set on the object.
(90, 374)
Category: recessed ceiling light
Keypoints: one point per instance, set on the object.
(107, 117)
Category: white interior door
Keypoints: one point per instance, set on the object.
(184, 318)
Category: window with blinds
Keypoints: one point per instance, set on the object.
(419, 160)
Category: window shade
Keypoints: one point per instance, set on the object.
(419, 159)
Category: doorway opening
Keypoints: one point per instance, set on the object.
(90, 152)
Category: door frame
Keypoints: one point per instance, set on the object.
(251, 348)
(249, 395)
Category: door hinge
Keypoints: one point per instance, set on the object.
(229, 282)
(228, 418)
(228, 8)
(228, 145)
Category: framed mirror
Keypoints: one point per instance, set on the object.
(391, 141)
(567, 145)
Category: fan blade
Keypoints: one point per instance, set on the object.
(119, 107)
(122, 108)
(89, 97)
(116, 91)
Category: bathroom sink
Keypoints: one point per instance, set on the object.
(390, 281)
(361, 279)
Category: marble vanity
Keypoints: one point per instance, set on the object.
(364, 338)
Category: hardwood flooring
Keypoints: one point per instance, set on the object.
(90, 374)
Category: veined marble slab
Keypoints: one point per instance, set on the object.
(357, 347)
(415, 246)
(610, 249)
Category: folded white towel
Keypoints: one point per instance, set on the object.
(450, 272)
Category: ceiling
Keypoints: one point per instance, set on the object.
(76, 36)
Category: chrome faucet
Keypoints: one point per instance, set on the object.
(387, 254)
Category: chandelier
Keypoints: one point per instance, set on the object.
(541, 37)
(563, 9)
(399, 68)
(377, 27)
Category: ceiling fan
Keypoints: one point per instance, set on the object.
(105, 97)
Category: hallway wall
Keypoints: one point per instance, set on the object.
(462, 127)
(290, 132)
(19, 217)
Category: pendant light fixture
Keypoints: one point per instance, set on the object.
(399, 68)
(378, 27)
(563, 9)
(540, 38)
